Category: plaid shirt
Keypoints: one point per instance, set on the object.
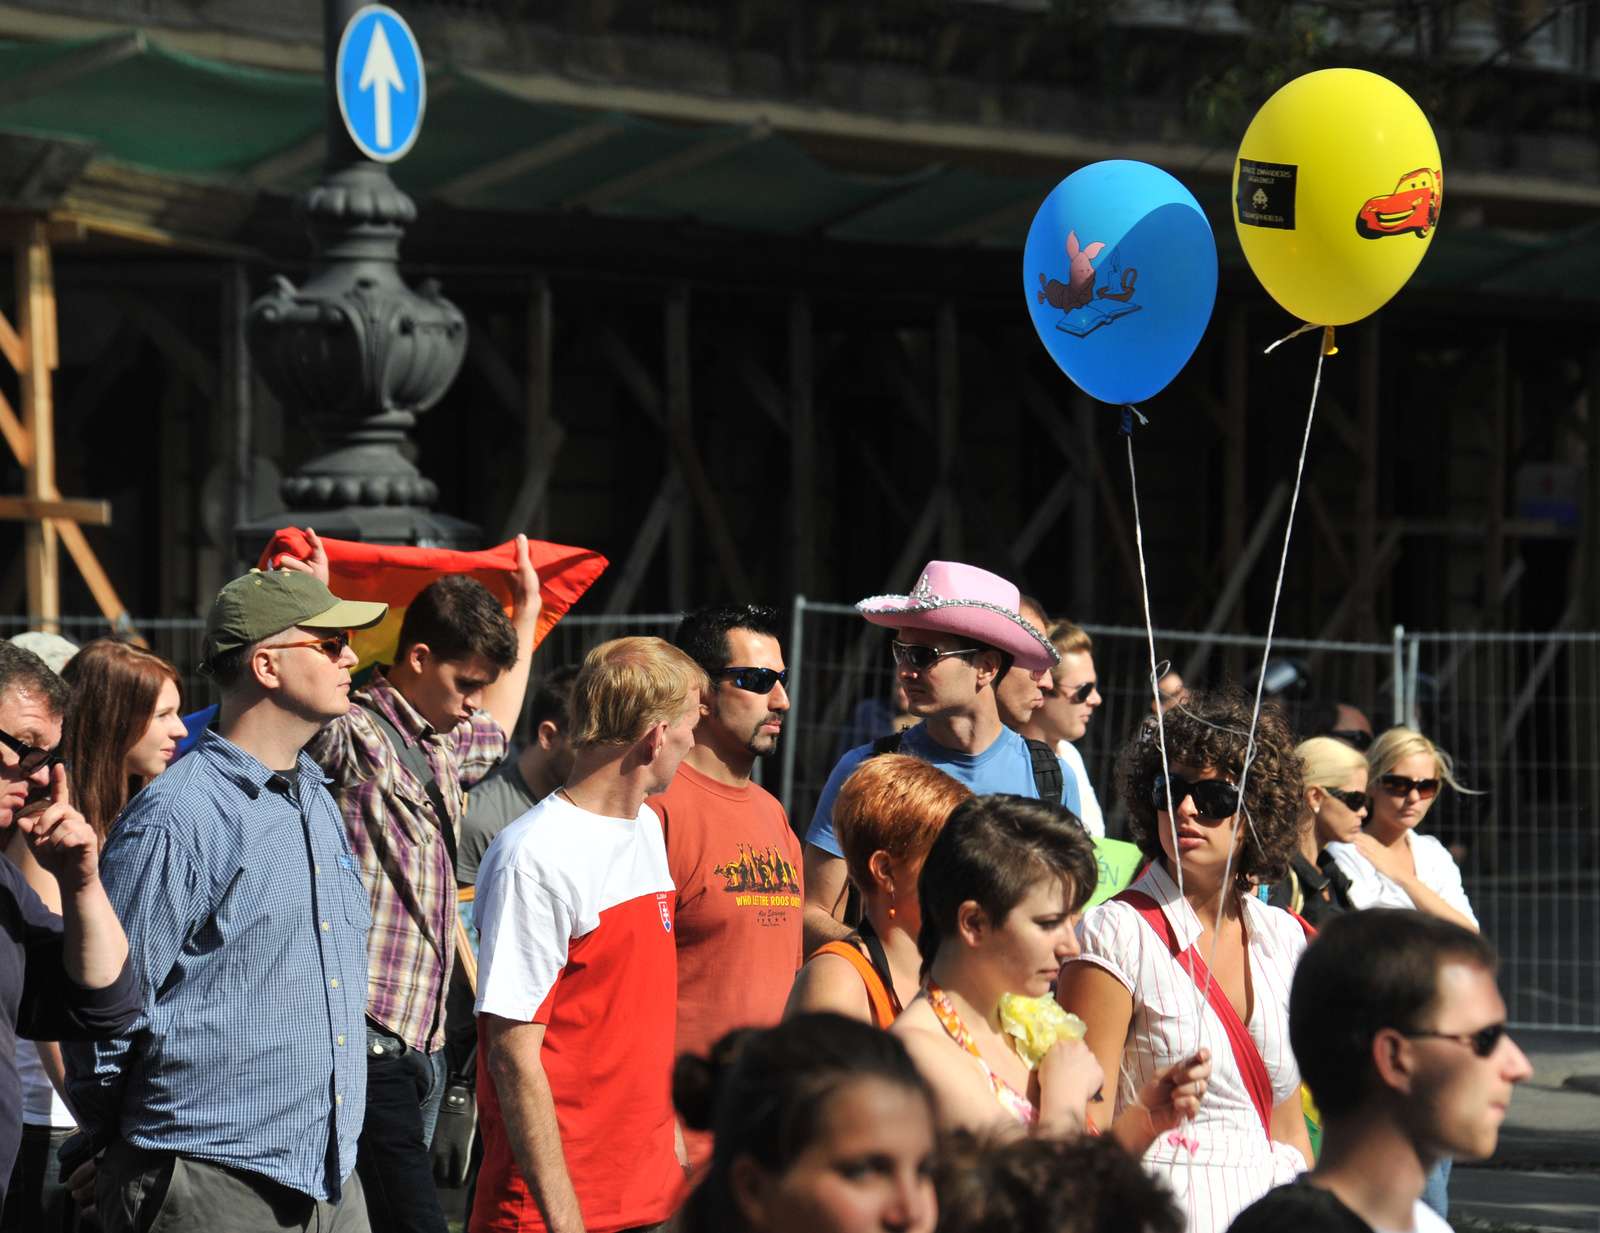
(396, 837)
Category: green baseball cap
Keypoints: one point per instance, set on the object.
(259, 605)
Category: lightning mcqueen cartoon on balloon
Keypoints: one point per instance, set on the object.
(1413, 206)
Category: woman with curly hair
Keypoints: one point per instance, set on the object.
(1189, 958)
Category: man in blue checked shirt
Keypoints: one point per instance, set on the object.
(236, 1099)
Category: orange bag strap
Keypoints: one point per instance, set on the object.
(883, 1008)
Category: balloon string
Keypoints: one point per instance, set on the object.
(1266, 657)
(1308, 326)
(1161, 734)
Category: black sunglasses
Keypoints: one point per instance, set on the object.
(30, 759)
(1355, 802)
(1399, 785)
(1080, 695)
(754, 680)
(1353, 736)
(919, 657)
(1213, 798)
(1482, 1042)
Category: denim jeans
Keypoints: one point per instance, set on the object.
(1437, 1193)
(404, 1090)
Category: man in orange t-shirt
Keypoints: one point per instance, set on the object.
(733, 856)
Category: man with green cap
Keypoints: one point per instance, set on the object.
(236, 1099)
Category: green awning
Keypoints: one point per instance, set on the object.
(194, 140)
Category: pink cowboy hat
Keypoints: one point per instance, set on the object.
(962, 599)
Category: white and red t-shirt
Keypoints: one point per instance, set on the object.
(575, 917)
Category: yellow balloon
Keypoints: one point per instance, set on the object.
(1336, 193)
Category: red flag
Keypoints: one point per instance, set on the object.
(393, 574)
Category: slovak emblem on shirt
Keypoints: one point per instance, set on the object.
(666, 915)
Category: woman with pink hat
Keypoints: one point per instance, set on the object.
(956, 635)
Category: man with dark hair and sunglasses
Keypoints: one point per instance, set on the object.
(1069, 705)
(734, 857)
(237, 1097)
(61, 976)
(1342, 722)
(422, 731)
(956, 637)
(1400, 1034)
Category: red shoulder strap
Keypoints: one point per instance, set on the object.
(1245, 1053)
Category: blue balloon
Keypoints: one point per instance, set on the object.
(1120, 275)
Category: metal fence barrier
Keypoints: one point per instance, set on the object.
(1520, 714)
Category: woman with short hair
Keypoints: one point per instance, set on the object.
(1388, 863)
(1335, 777)
(1001, 892)
(821, 1125)
(1142, 982)
(885, 818)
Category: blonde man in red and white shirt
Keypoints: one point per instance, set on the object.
(577, 967)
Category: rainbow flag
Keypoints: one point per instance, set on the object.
(393, 574)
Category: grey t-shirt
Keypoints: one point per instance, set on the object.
(494, 803)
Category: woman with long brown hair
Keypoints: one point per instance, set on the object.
(124, 727)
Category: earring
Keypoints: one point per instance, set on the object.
(891, 905)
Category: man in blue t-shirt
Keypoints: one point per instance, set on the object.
(956, 636)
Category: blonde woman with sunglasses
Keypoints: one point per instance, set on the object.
(1388, 863)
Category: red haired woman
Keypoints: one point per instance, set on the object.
(124, 727)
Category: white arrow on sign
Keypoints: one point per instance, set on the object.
(380, 74)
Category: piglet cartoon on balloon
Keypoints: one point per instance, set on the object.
(1079, 288)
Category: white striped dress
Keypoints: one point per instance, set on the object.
(1234, 1163)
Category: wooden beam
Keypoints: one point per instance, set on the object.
(645, 540)
(15, 434)
(802, 444)
(880, 476)
(105, 595)
(1083, 537)
(1235, 487)
(529, 501)
(675, 387)
(1119, 528)
(36, 318)
(1330, 533)
(622, 362)
(1238, 575)
(31, 509)
(763, 390)
(1365, 584)
(1045, 516)
(11, 345)
(176, 347)
(644, 178)
(542, 154)
(1494, 546)
(545, 434)
(947, 425)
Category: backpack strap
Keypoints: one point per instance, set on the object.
(1047, 777)
(1245, 1054)
(879, 996)
(414, 760)
(887, 744)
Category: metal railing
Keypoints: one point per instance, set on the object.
(1519, 713)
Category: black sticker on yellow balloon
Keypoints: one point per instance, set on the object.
(1266, 194)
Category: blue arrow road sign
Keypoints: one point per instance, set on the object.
(381, 83)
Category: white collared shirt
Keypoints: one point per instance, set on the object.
(1436, 869)
(1234, 1162)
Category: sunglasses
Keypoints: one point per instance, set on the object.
(1353, 736)
(30, 759)
(1482, 1042)
(919, 658)
(1399, 785)
(1213, 798)
(333, 646)
(1080, 695)
(1355, 802)
(754, 680)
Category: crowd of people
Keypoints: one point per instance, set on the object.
(243, 990)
